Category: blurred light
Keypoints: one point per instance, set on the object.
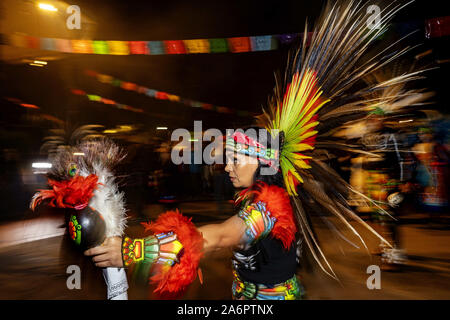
(41, 165)
(94, 97)
(46, 6)
(36, 64)
(161, 128)
(110, 131)
(443, 61)
(194, 140)
(423, 54)
(27, 105)
(78, 154)
(13, 100)
(40, 62)
(126, 128)
(403, 121)
(107, 101)
(39, 172)
(78, 92)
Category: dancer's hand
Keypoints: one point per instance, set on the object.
(109, 254)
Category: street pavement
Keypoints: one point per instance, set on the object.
(35, 254)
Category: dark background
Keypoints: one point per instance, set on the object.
(241, 81)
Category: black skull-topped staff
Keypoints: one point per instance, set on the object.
(84, 187)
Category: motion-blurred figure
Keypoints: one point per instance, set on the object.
(384, 177)
(431, 173)
(381, 168)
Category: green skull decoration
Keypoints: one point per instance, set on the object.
(86, 227)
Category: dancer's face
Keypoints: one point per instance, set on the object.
(241, 169)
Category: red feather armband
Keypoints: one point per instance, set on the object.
(170, 256)
(280, 222)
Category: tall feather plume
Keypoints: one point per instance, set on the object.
(325, 86)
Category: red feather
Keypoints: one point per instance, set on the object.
(176, 280)
(279, 205)
(74, 193)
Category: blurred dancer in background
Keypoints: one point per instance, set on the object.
(431, 173)
(384, 182)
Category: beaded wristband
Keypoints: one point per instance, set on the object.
(162, 249)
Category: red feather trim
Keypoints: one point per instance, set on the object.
(279, 205)
(74, 193)
(176, 280)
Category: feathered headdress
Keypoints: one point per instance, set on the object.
(318, 96)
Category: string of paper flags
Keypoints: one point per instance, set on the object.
(21, 103)
(97, 98)
(161, 95)
(435, 27)
(35, 107)
(112, 103)
(115, 47)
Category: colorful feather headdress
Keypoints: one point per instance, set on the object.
(323, 89)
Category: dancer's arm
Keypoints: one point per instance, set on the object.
(216, 236)
(248, 226)
(229, 233)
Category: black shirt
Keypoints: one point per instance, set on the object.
(266, 262)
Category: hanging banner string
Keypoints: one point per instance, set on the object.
(21, 103)
(164, 47)
(112, 103)
(96, 98)
(35, 107)
(436, 27)
(161, 95)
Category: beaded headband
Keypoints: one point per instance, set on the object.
(243, 144)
